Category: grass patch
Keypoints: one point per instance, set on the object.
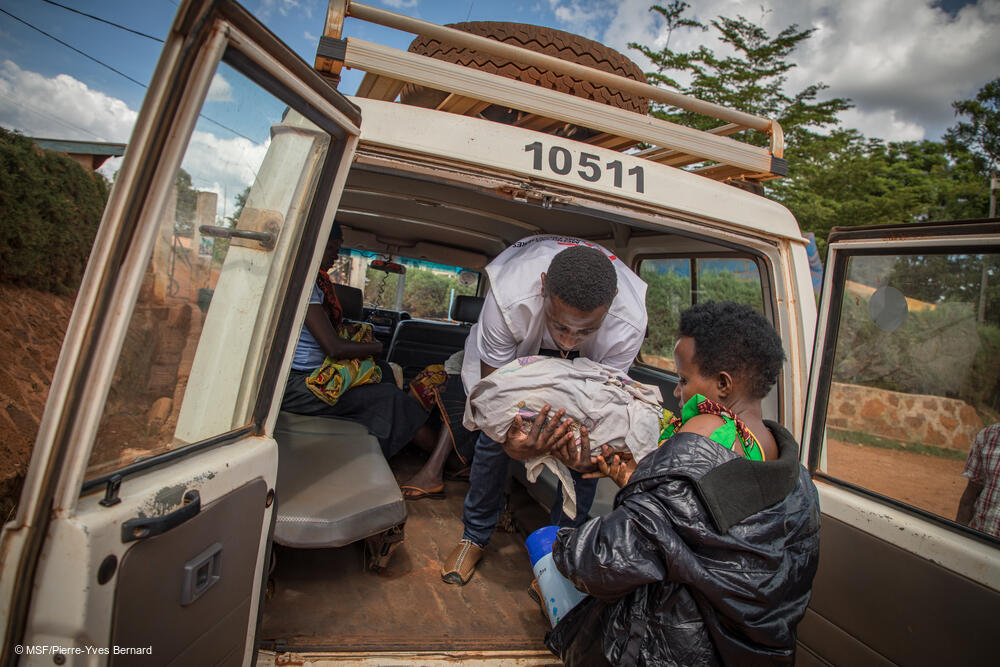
(860, 438)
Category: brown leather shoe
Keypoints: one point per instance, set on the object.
(461, 563)
(535, 592)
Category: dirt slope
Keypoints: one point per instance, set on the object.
(32, 326)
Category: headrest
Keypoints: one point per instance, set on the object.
(352, 301)
(466, 308)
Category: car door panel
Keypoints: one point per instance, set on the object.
(71, 577)
(211, 628)
(76, 597)
(819, 637)
(899, 580)
(890, 598)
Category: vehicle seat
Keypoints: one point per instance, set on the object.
(352, 301)
(417, 343)
(334, 485)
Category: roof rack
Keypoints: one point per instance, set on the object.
(387, 70)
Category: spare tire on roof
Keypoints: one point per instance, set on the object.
(557, 43)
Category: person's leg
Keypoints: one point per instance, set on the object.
(428, 479)
(388, 413)
(299, 399)
(452, 407)
(586, 489)
(480, 512)
(487, 480)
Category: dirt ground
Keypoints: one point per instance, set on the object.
(931, 483)
(32, 326)
(33, 323)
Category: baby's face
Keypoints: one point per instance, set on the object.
(690, 380)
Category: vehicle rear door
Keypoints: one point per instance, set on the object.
(902, 440)
(143, 531)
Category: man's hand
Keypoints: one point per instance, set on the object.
(619, 466)
(538, 440)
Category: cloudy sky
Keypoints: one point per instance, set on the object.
(901, 62)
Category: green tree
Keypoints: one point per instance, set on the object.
(973, 279)
(837, 177)
(187, 201)
(667, 294)
(425, 294)
(844, 179)
(50, 208)
(239, 201)
(981, 135)
(752, 80)
(727, 286)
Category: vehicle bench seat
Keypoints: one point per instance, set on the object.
(334, 484)
(417, 344)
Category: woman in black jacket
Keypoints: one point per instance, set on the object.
(709, 553)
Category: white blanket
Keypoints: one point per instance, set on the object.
(616, 410)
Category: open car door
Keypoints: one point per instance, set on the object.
(143, 531)
(902, 439)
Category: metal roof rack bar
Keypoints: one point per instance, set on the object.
(551, 104)
(541, 60)
(387, 70)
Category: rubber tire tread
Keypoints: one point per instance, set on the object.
(550, 41)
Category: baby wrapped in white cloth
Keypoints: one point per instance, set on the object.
(617, 411)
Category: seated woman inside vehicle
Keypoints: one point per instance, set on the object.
(334, 375)
(709, 553)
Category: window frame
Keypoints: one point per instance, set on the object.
(693, 259)
(243, 58)
(764, 271)
(823, 364)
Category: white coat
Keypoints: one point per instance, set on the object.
(516, 287)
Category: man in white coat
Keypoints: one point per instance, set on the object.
(550, 295)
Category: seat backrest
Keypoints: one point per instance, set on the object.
(352, 301)
(466, 309)
(417, 344)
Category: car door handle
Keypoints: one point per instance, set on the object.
(143, 527)
(266, 239)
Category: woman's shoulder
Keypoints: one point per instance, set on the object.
(702, 424)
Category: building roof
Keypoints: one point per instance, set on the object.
(101, 148)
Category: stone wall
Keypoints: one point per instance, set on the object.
(930, 420)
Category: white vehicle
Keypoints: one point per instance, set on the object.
(164, 472)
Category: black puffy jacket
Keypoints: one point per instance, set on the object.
(706, 558)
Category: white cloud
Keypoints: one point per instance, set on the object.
(902, 62)
(110, 167)
(223, 166)
(283, 7)
(885, 124)
(220, 90)
(583, 17)
(60, 107)
(399, 4)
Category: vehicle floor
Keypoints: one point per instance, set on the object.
(325, 599)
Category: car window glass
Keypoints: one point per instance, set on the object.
(914, 404)
(428, 288)
(671, 289)
(217, 189)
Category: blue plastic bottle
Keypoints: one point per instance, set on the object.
(558, 592)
